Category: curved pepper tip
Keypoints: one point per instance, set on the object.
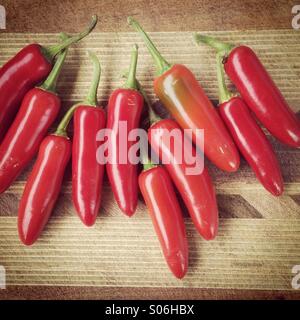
(88, 221)
(26, 239)
(178, 264)
(276, 189)
(209, 232)
(234, 165)
(127, 208)
(129, 212)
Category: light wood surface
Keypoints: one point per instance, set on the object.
(258, 242)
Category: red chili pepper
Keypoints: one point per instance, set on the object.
(197, 191)
(87, 173)
(124, 105)
(44, 183)
(185, 99)
(24, 71)
(258, 90)
(249, 137)
(165, 212)
(37, 113)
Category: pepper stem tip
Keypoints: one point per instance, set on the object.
(50, 83)
(221, 47)
(131, 79)
(161, 64)
(91, 98)
(52, 51)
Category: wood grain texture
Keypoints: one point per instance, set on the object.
(128, 293)
(258, 242)
(247, 254)
(171, 15)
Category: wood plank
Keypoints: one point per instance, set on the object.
(256, 254)
(258, 241)
(171, 15)
(120, 293)
(278, 50)
(115, 48)
(234, 201)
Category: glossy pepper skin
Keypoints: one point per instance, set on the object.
(160, 198)
(24, 71)
(264, 99)
(196, 190)
(248, 136)
(44, 182)
(258, 90)
(253, 144)
(182, 95)
(42, 187)
(20, 74)
(180, 92)
(125, 105)
(37, 113)
(87, 173)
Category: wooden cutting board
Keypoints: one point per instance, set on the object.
(259, 237)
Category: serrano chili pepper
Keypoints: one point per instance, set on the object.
(165, 212)
(182, 95)
(37, 113)
(87, 173)
(125, 106)
(258, 90)
(249, 137)
(44, 183)
(196, 190)
(24, 71)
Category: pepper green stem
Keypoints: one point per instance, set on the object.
(91, 98)
(224, 94)
(50, 83)
(147, 164)
(131, 78)
(63, 125)
(161, 64)
(153, 117)
(220, 46)
(52, 51)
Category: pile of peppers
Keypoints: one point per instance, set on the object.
(29, 105)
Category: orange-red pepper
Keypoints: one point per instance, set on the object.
(180, 92)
